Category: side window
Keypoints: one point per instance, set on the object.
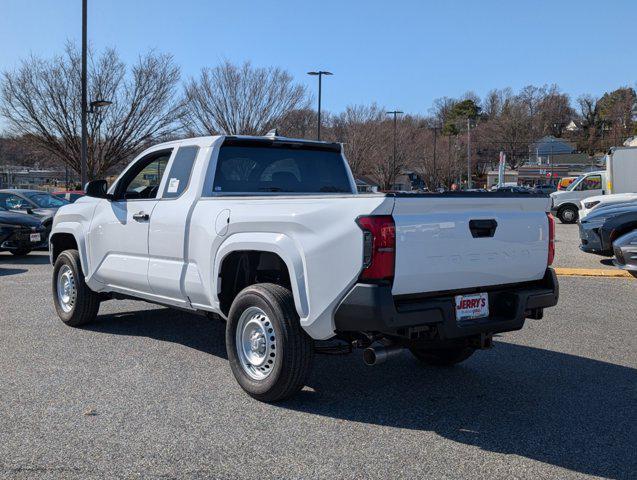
(13, 202)
(179, 175)
(594, 182)
(143, 179)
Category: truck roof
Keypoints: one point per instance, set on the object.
(206, 141)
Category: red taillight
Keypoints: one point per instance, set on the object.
(551, 239)
(379, 247)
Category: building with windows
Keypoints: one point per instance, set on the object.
(14, 176)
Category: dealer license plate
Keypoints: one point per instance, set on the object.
(35, 237)
(472, 306)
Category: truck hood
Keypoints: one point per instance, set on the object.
(559, 193)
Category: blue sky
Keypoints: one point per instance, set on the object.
(402, 54)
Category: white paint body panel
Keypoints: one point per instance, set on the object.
(621, 170)
(435, 250)
(175, 257)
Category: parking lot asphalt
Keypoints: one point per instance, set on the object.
(568, 254)
(146, 392)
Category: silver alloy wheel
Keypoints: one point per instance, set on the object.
(256, 343)
(67, 292)
(569, 215)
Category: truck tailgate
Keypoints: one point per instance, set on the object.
(456, 241)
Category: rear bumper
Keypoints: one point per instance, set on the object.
(372, 308)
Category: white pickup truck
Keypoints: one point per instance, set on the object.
(269, 234)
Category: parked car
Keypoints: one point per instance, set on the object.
(270, 234)
(43, 205)
(69, 195)
(565, 182)
(20, 233)
(591, 204)
(602, 227)
(625, 249)
(514, 189)
(545, 189)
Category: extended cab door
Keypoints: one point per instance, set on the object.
(119, 231)
(169, 227)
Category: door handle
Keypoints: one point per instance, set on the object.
(141, 217)
(483, 228)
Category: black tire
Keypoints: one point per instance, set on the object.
(87, 302)
(294, 348)
(568, 214)
(442, 357)
(21, 252)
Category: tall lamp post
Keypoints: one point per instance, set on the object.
(395, 113)
(84, 152)
(320, 74)
(468, 152)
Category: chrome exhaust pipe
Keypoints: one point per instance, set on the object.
(377, 354)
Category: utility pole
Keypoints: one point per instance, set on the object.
(395, 113)
(468, 153)
(320, 74)
(84, 153)
(435, 171)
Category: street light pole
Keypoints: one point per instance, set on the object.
(320, 74)
(434, 176)
(395, 113)
(468, 153)
(84, 153)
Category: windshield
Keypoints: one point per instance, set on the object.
(46, 200)
(575, 183)
(280, 169)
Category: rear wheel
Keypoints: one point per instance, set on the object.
(568, 214)
(75, 303)
(21, 252)
(442, 357)
(269, 353)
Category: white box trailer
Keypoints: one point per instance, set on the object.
(621, 170)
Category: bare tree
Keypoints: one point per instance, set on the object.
(41, 99)
(242, 99)
(359, 128)
(299, 124)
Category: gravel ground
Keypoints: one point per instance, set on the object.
(146, 392)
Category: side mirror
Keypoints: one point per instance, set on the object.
(97, 189)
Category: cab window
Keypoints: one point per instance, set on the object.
(143, 179)
(593, 182)
(180, 170)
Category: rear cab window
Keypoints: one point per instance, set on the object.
(180, 170)
(271, 167)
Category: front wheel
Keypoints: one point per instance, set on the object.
(75, 303)
(568, 214)
(269, 353)
(442, 357)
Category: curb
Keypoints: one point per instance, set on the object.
(592, 272)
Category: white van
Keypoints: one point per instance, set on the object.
(566, 202)
(620, 177)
